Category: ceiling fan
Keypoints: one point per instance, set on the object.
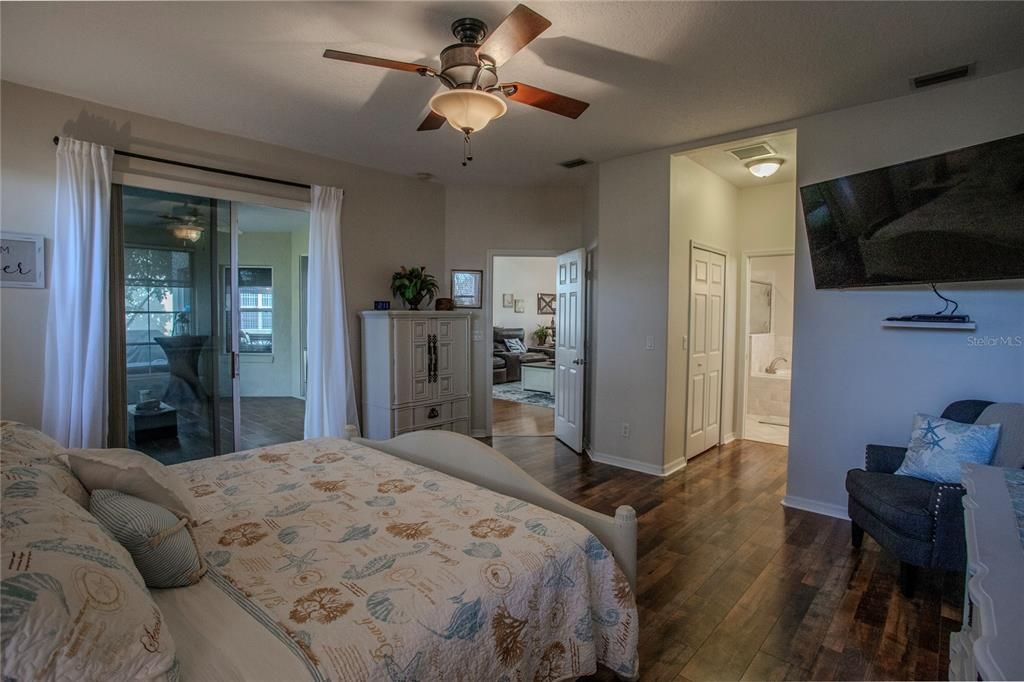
(469, 69)
(185, 222)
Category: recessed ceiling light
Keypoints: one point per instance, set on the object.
(762, 168)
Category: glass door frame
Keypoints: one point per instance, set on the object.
(235, 326)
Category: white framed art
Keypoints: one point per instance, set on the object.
(22, 260)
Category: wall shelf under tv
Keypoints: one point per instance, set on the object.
(951, 326)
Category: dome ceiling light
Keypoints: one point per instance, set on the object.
(764, 168)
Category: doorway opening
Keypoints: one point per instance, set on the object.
(769, 346)
(196, 268)
(523, 308)
(732, 228)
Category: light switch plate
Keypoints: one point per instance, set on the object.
(478, 335)
(650, 343)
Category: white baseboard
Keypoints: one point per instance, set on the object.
(673, 467)
(824, 508)
(633, 465)
(729, 437)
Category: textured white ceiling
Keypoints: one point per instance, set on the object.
(655, 73)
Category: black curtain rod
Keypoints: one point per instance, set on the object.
(208, 169)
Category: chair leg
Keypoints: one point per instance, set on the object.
(908, 577)
(856, 534)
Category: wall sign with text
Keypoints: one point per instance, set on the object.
(22, 260)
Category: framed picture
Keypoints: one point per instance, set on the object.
(508, 300)
(520, 305)
(467, 288)
(545, 304)
(22, 260)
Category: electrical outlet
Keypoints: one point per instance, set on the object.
(650, 343)
(625, 429)
(685, 342)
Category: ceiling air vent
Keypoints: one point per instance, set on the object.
(753, 151)
(573, 163)
(942, 76)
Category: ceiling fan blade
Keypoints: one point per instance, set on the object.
(543, 99)
(515, 32)
(377, 61)
(432, 122)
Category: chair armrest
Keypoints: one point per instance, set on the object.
(884, 459)
(949, 546)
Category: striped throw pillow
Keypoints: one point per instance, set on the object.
(160, 543)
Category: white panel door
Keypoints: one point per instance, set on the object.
(570, 341)
(704, 380)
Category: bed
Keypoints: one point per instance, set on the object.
(429, 556)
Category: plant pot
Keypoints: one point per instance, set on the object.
(414, 302)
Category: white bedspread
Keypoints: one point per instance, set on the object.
(365, 566)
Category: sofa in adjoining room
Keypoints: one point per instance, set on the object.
(513, 361)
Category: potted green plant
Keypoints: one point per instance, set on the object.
(542, 334)
(412, 285)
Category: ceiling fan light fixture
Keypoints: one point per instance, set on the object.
(468, 111)
(763, 168)
(186, 232)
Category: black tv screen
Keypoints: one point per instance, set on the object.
(953, 217)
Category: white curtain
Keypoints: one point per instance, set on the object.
(75, 374)
(330, 394)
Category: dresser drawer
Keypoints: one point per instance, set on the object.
(426, 415)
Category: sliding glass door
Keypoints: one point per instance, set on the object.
(170, 259)
(195, 270)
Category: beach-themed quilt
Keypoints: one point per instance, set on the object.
(369, 567)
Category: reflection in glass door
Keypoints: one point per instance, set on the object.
(213, 335)
(171, 376)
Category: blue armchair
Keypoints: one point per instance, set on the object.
(921, 522)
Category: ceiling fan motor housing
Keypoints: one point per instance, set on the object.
(459, 62)
(459, 65)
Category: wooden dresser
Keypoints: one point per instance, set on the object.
(415, 372)
(990, 645)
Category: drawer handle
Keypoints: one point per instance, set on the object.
(433, 413)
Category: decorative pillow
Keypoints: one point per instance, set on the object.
(160, 543)
(74, 605)
(939, 446)
(136, 474)
(27, 453)
(515, 345)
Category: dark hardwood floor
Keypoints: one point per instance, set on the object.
(265, 421)
(734, 586)
(510, 418)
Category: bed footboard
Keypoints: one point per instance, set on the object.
(469, 459)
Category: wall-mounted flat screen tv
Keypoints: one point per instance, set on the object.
(953, 217)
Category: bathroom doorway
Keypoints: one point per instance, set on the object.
(769, 346)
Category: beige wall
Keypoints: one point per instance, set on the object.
(482, 219)
(630, 299)
(766, 216)
(524, 277)
(271, 374)
(387, 219)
